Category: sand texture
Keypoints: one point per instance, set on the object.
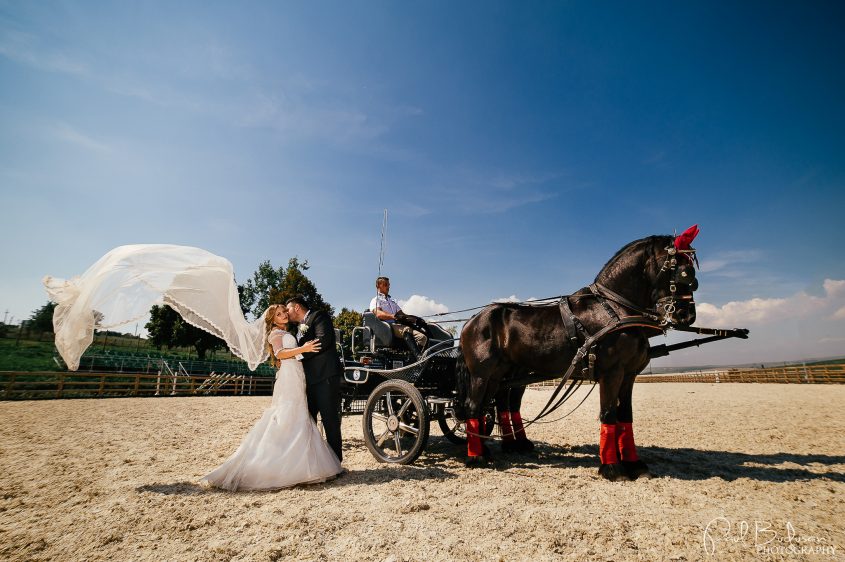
(116, 479)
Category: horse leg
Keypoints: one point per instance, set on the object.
(609, 386)
(521, 443)
(478, 396)
(631, 463)
(503, 413)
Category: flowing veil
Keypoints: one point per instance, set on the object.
(122, 286)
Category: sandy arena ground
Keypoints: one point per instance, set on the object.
(116, 480)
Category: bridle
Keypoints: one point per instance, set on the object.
(666, 307)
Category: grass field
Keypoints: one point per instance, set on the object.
(25, 355)
(37, 355)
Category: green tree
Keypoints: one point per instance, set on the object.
(256, 293)
(295, 282)
(271, 285)
(167, 329)
(42, 319)
(345, 321)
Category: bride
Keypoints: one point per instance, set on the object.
(284, 448)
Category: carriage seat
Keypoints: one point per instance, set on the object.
(380, 330)
(384, 333)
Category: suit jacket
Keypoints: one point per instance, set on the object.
(325, 363)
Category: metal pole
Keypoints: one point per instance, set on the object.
(20, 329)
(383, 242)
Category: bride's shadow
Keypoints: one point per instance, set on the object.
(436, 463)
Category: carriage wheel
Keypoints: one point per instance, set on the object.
(455, 430)
(395, 422)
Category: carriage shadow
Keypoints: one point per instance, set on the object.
(691, 464)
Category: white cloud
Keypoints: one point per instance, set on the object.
(23, 49)
(484, 192)
(724, 262)
(68, 134)
(419, 305)
(514, 298)
(765, 311)
(834, 288)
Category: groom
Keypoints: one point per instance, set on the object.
(322, 368)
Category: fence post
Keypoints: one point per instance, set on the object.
(61, 384)
(102, 384)
(9, 385)
(137, 383)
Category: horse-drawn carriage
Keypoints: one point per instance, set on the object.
(599, 333)
(398, 393)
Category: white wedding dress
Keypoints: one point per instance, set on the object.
(284, 448)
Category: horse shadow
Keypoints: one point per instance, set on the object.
(692, 464)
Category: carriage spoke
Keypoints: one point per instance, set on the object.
(404, 407)
(383, 437)
(409, 429)
(379, 417)
(397, 438)
(389, 401)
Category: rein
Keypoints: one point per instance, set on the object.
(647, 318)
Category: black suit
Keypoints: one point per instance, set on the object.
(322, 376)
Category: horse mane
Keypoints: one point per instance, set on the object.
(630, 246)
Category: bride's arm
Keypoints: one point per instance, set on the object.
(311, 347)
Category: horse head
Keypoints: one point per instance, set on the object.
(658, 275)
(675, 282)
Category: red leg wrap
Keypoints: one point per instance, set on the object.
(607, 444)
(518, 428)
(473, 439)
(505, 426)
(625, 440)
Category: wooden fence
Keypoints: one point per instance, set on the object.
(65, 384)
(793, 374)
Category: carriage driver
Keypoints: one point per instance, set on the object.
(387, 310)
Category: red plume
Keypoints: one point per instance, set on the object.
(683, 240)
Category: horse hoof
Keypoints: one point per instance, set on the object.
(524, 446)
(476, 462)
(636, 469)
(613, 472)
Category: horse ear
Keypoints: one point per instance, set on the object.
(683, 240)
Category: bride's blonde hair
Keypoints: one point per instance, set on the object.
(268, 327)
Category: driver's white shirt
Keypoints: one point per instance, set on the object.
(385, 303)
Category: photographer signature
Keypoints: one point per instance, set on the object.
(767, 538)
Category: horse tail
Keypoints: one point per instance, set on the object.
(461, 386)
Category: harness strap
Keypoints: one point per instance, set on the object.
(600, 290)
(569, 321)
(622, 323)
(607, 308)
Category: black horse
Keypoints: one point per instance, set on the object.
(644, 289)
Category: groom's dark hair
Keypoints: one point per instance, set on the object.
(300, 300)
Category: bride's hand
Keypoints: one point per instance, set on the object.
(311, 347)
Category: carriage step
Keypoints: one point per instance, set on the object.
(438, 400)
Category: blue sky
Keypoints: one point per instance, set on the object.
(517, 146)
